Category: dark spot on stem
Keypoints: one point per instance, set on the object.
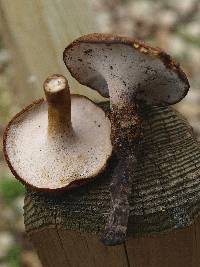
(124, 83)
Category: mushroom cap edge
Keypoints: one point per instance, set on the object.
(73, 184)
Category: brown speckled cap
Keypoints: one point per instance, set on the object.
(116, 65)
(60, 143)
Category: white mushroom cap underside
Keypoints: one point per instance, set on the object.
(116, 69)
(55, 163)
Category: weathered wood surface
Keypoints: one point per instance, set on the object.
(165, 197)
(58, 247)
(166, 184)
(37, 31)
(75, 249)
(178, 248)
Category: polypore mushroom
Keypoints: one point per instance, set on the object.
(129, 72)
(60, 143)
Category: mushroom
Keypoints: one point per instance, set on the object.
(58, 144)
(129, 72)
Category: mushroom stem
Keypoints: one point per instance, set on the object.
(59, 105)
(126, 124)
(126, 128)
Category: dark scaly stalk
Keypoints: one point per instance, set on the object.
(126, 127)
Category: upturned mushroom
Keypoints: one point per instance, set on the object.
(58, 144)
(129, 72)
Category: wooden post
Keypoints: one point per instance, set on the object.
(66, 227)
(36, 32)
(60, 247)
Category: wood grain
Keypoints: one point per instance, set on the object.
(58, 247)
(176, 248)
(70, 248)
(165, 192)
(36, 32)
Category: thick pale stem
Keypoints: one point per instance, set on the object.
(59, 105)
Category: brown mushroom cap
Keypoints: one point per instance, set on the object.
(116, 66)
(56, 161)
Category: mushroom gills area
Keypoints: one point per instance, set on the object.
(52, 163)
(123, 69)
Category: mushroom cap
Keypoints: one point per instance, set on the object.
(64, 161)
(110, 63)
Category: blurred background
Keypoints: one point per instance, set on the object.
(173, 25)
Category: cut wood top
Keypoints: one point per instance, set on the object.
(166, 184)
